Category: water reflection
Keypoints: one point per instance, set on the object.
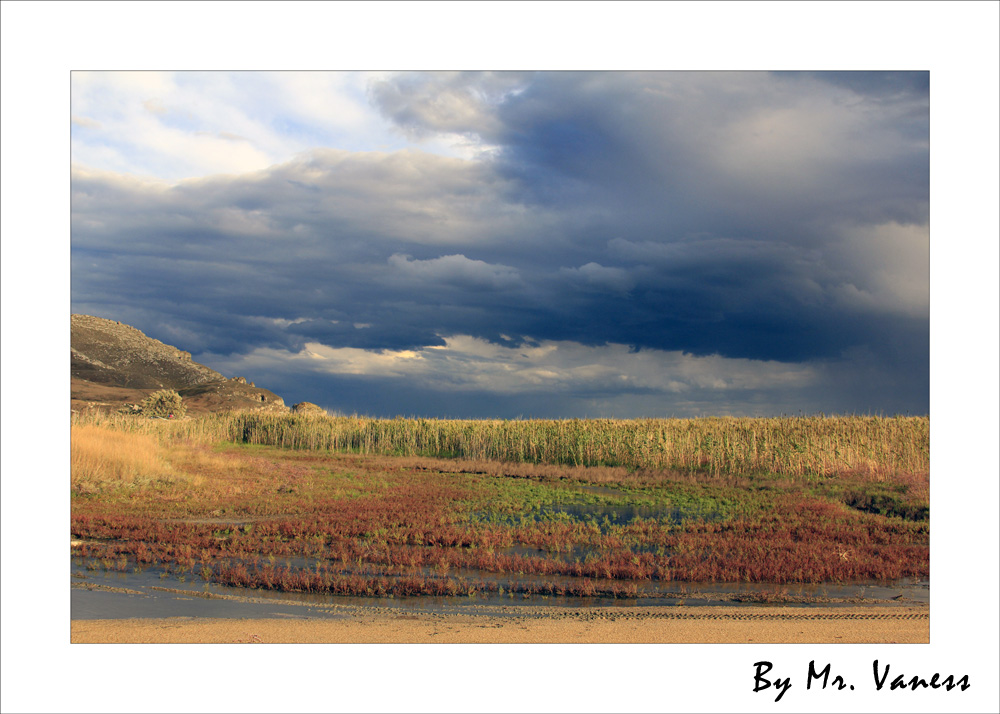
(157, 592)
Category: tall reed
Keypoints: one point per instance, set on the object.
(876, 447)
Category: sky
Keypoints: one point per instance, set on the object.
(516, 243)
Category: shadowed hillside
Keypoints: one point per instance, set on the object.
(113, 364)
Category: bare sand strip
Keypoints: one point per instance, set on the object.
(600, 625)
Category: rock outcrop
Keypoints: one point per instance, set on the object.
(308, 408)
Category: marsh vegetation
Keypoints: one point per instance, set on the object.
(582, 508)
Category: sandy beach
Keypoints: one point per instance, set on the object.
(597, 625)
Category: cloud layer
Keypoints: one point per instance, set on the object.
(569, 243)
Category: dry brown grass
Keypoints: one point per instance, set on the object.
(103, 458)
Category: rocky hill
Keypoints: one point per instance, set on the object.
(109, 352)
(113, 364)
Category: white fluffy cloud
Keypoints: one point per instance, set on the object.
(176, 125)
(595, 275)
(469, 363)
(456, 270)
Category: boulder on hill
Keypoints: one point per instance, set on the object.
(308, 408)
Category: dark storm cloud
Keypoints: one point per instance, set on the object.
(747, 215)
(319, 238)
(737, 185)
(747, 155)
